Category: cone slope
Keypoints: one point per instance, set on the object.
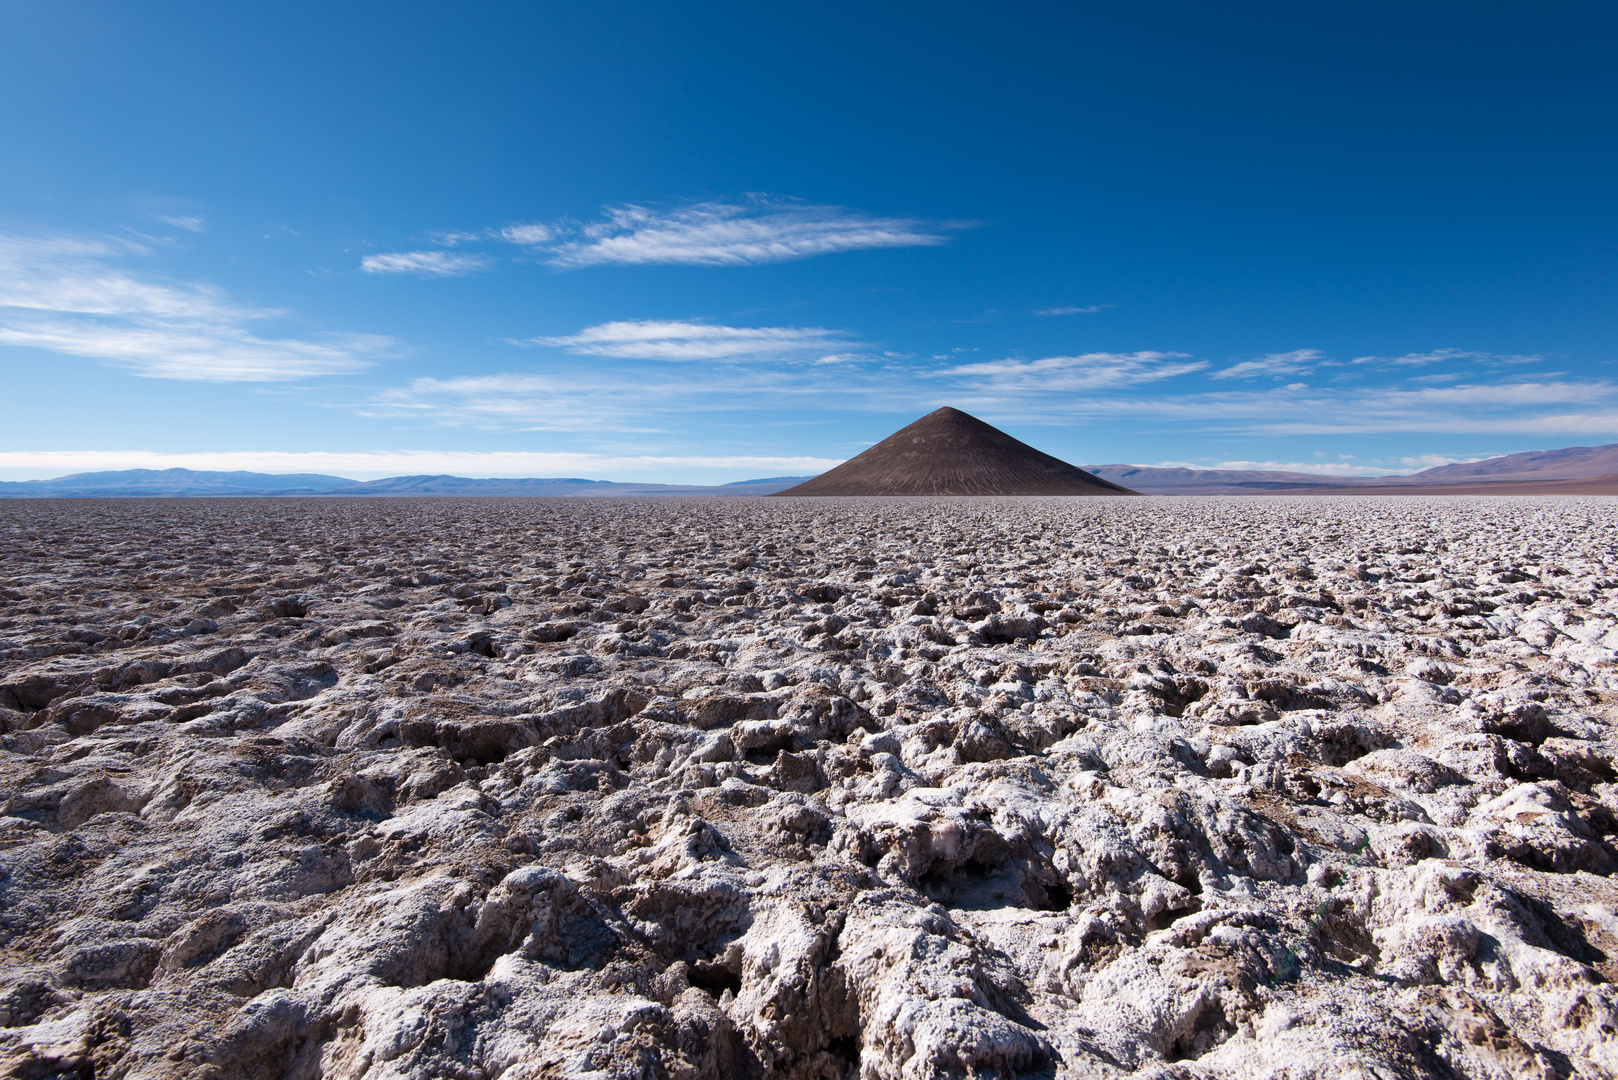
(949, 452)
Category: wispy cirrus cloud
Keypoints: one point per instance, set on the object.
(200, 352)
(726, 375)
(452, 238)
(1548, 407)
(738, 232)
(79, 276)
(720, 232)
(1418, 462)
(1090, 309)
(70, 295)
(1296, 362)
(424, 263)
(1552, 408)
(531, 234)
(779, 369)
(1307, 361)
(1109, 388)
(1316, 468)
(1089, 371)
(650, 339)
(520, 401)
(187, 222)
(1313, 468)
(1444, 356)
(600, 400)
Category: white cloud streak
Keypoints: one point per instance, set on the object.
(1096, 387)
(522, 402)
(1444, 356)
(452, 238)
(1111, 389)
(1089, 310)
(793, 369)
(200, 352)
(1432, 461)
(424, 263)
(1548, 408)
(724, 232)
(76, 276)
(67, 295)
(532, 234)
(1437, 356)
(182, 221)
(675, 340)
(601, 399)
(1089, 371)
(719, 233)
(1313, 468)
(1296, 362)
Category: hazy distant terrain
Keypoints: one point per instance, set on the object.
(1530, 471)
(1537, 472)
(172, 483)
(809, 788)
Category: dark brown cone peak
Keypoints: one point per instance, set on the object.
(949, 452)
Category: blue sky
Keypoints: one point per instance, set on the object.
(702, 242)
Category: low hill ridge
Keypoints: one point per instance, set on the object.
(1568, 463)
(1569, 470)
(190, 483)
(1572, 469)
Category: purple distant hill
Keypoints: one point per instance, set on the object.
(1589, 470)
(189, 483)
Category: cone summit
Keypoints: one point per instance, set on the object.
(949, 452)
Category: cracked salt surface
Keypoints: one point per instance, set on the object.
(810, 789)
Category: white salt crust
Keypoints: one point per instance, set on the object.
(809, 788)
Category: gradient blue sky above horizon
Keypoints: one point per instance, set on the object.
(706, 242)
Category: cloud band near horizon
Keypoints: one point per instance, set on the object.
(73, 296)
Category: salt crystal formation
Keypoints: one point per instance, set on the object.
(809, 789)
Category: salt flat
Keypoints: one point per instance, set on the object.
(809, 788)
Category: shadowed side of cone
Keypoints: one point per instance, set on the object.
(949, 452)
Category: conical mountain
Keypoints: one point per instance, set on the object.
(949, 452)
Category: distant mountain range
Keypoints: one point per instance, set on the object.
(163, 482)
(1572, 470)
(188, 483)
(1591, 470)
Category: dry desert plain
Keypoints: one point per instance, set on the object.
(905, 788)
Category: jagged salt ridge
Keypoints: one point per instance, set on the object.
(896, 789)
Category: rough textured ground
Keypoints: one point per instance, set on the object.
(808, 789)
